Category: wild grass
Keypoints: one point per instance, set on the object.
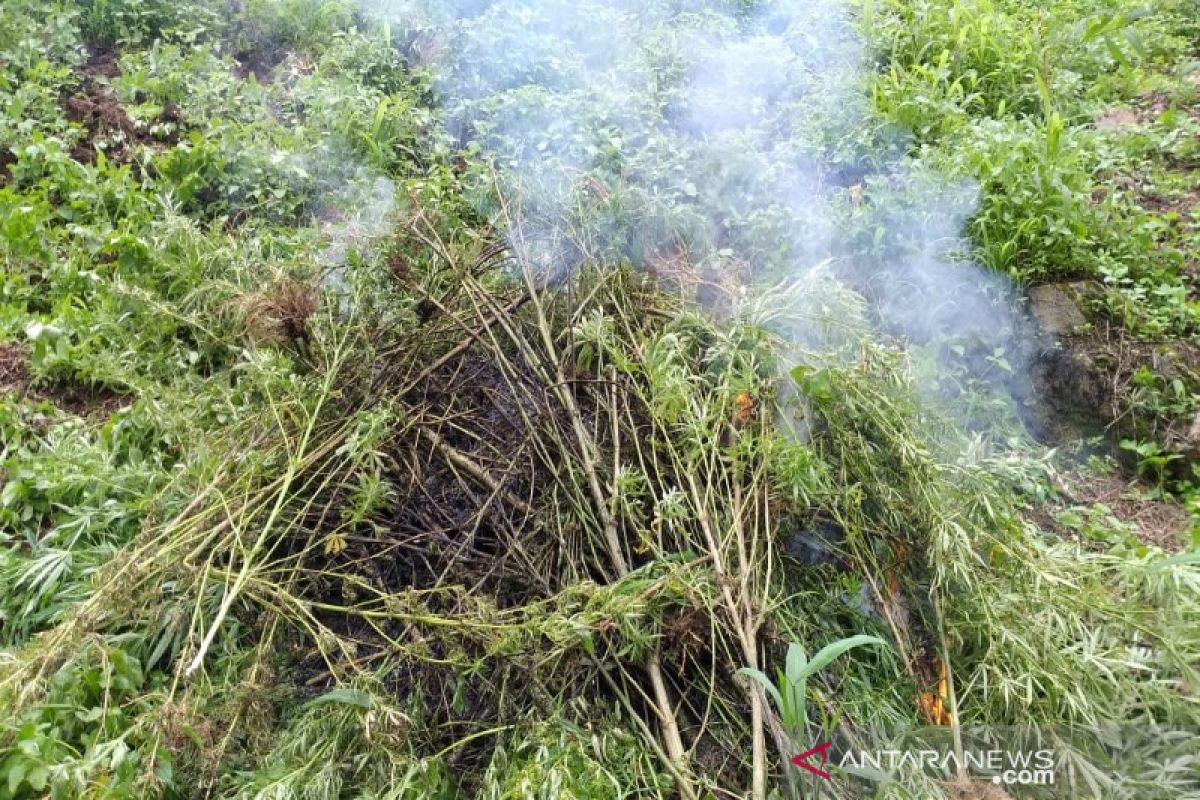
(643, 519)
(434, 521)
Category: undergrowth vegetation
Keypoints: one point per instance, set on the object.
(325, 472)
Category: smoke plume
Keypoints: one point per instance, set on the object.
(730, 142)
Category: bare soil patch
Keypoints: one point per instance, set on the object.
(1153, 104)
(103, 62)
(1117, 119)
(14, 371)
(82, 400)
(1084, 373)
(970, 789)
(107, 126)
(7, 159)
(1183, 205)
(259, 62)
(92, 402)
(1156, 522)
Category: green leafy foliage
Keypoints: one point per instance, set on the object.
(790, 690)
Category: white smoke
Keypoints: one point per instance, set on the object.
(725, 130)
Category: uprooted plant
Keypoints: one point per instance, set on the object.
(579, 498)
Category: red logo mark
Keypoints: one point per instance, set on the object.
(802, 759)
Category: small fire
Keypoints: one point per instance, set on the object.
(745, 408)
(933, 706)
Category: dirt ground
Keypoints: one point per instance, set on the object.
(14, 372)
(1084, 374)
(94, 402)
(107, 126)
(1084, 379)
(1156, 522)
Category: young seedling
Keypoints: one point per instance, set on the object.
(791, 692)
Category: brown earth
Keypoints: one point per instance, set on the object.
(1092, 367)
(1160, 523)
(14, 372)
(93, 402)
(1084, 380)
(259, 62)
(1182, 204)
(970, 789)
(1117, 118)
(7, 159)
(1084, 374)
(107, 126)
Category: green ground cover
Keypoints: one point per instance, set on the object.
(314, 484)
